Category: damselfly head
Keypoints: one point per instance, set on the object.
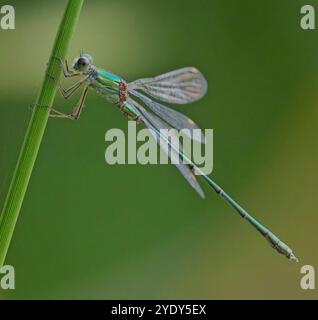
(82, 62)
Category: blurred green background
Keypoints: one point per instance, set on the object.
(90, 230)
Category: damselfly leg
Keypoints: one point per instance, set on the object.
(67, 93)
(66, 71)
(76, 111)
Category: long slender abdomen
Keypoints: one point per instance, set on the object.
(129, 110)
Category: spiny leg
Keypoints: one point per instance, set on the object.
(58, 114)
(76, 111)
(66, 71)
(79, 107)
(66, 93)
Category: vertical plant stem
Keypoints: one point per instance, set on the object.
(36, 129)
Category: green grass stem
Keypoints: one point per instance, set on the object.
(35, 131)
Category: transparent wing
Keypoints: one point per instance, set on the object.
(180, 86)
(176, 119)
(154, 123)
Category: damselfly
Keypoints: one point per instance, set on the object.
(178, 87)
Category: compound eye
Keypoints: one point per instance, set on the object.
(82, 62)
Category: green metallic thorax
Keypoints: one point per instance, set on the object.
(106, 84)
(109, 86)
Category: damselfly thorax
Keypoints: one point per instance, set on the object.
(113, 88)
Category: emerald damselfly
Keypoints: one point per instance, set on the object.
(181, 86)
